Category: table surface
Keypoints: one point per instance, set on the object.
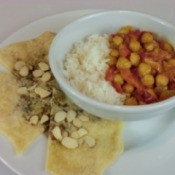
(15, 14)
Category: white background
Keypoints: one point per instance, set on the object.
(15, 14)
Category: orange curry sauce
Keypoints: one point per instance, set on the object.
(141, 65)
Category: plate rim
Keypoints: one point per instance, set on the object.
(3, 42)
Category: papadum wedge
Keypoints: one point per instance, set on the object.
(12, 123)
(14, 104)
(79, 143)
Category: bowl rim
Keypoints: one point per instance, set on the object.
(61, 80)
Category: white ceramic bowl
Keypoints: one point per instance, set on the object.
(107, 22)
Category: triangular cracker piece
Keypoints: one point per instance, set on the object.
(85, 160)
(92, 150)
(14, 107)
(27, 51)
(12, 123)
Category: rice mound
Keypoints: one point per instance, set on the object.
(85, 67)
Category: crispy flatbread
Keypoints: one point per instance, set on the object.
(27, 51)
(85, 160)
(12, 123)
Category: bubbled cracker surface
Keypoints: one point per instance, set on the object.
(12, 124)
(85, 160)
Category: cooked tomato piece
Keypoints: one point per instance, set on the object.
(153, 94)
(170, 73)
(166, 46)
(131, 79)
(158, 90)
(147, 96)
(117, 87)
(157, 55)
(110, 73)
(172, 86)
(124, 50)
(155, 65)
(123, 35)
(134, 34)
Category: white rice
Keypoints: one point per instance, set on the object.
(85, 68)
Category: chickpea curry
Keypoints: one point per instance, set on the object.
(141, 65)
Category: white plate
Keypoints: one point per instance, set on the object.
(149, 144)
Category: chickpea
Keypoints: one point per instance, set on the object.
(162, 80)
(125, 30)
(117, 40)
(118, 79)
(156, 44)
(149, 46)
(131, 101)
(112, 61)
(134, 58)
(123, 63)
(146, 37)
(114, 53)
(144, 69)
(134, 45)
(128, 88)
(167, 94)
(167, 47)
(148, 80)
